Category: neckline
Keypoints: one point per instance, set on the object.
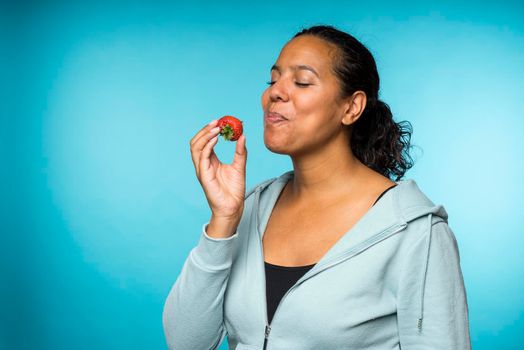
(384, 192)
(280, 267)
(279, 184)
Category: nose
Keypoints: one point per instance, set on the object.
(278, 91)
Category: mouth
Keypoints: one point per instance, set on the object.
(274, 118)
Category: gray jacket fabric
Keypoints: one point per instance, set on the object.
(393, 281)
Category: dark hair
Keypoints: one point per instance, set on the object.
(376, 139)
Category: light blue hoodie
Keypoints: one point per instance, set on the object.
(393, 281)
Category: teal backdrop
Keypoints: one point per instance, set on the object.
(100, 202)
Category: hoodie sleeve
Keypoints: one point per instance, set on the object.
(193, 312)
(432, 306)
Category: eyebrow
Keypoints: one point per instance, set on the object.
(297, 67)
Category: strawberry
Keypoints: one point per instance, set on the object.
(230, 127)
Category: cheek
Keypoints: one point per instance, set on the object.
(317, 115)
(309, 102)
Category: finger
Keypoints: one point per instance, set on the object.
(198, 137)
(240, 158)
(204, 161)
(197, 148)
(203, 131)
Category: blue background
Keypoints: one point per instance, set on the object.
(100, 202)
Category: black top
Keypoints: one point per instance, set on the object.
(280, 278)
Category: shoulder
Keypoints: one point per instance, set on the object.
(419, 213)
(411, 203)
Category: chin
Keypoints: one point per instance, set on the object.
(276, 147)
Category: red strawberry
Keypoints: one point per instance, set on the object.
(230, 127)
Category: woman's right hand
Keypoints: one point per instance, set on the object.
(224, 184)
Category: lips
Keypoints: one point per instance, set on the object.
(272, 117)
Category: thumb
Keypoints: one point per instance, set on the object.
(239, 161)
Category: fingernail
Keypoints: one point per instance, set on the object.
(212, 122)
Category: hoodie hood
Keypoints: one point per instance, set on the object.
(400, 205)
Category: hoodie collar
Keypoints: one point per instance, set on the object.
(391, 213)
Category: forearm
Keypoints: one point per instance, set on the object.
(193, 311)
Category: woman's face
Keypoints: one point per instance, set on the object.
(306, 92)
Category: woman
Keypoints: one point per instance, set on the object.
(333, 254)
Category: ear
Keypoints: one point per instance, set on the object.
(354, 107)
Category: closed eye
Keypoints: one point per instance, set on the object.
(296, 83)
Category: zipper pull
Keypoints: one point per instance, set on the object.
(268, 329)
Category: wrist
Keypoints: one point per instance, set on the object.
(222, 227)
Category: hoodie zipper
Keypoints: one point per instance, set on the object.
(268, 326)
(267, 329)
(326, 265)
